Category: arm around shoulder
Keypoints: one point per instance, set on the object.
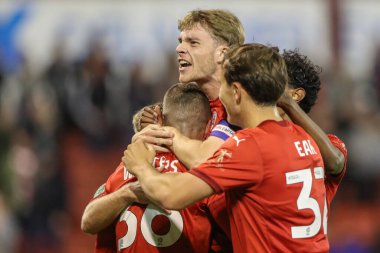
(173, 191)
(101, 212)
(333, 158)
(194, 152)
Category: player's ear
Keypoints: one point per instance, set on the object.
(220, 52)
(297, 94)
(207, 129)
(237, 88)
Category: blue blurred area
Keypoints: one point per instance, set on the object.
(73, 74)
(10, 24)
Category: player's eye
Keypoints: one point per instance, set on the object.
(193, 42)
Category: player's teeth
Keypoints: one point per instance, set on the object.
(184, 63)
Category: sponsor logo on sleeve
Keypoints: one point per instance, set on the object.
(223, 154)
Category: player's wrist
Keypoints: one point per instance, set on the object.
(126, 195)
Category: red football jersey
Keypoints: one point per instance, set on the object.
(332, 181)
(144, 228)
(218, 113)
(273, 177)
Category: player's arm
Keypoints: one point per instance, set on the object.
(172, 191)
(189, 151)
(193, 152)
(333, 158)
(102, 211)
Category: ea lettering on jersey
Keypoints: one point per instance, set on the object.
(304, 148)
(170, 166)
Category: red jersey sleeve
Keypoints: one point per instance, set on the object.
(333, 181)
(218, 114)
(231, 165)
(220, 234)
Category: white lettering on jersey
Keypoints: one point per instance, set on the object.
(305, 148)
(224, 129)
(166, 164)
(127, 175)
(237, 140)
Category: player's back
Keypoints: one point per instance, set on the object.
(145, 228)
(287, 202)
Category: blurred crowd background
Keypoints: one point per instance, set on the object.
(73, 74)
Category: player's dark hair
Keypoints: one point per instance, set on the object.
(302, 73)
(260, 69)
(186, 104)
(223, 25)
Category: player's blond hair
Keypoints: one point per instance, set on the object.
(223, 25)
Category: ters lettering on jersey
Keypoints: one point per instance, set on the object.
(304, 148)
(158, 162)
(168, 165)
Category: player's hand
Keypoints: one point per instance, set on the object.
(151, 115)
(172, 132)
(138, 156)
(138, 193)
(155, 135)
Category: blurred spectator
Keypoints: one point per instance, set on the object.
(87, 97)
(8, 228)
(376, 74)
(140, 89)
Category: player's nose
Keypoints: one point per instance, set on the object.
(180, 49)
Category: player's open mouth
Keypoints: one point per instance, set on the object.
(183, 64)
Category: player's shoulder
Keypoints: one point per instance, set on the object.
(223, 130)
(119, 177)
(241, 138)
(119, 172)
(261, 133)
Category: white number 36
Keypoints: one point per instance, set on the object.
(151, 211)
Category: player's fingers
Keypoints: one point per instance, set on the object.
(147, 120)
(160, 148)
(158, 133)
(157, 110)
(150, 147)
(161, 168)
(149, 112)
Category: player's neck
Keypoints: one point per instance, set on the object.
(210, 88)
(255, 115)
